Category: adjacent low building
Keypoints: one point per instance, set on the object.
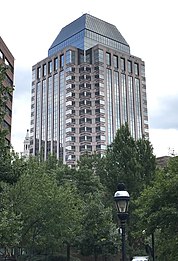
(7, 59)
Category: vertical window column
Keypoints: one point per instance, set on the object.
(138, 108)
(123, 98)
(43, 116)
(38, 117)
(117, 99)
(110, 106)
(49, 126)
(131, 106)
(55, 114)
(61, 116)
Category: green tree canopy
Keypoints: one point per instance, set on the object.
(157, 211)
(128, 161)
(49, 214)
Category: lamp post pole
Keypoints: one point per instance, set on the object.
(121, 198)
(123, 240)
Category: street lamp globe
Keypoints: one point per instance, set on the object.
(121, 198)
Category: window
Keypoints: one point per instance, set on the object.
(136, 70)
(55, 64)
(8, 111)
(85, 102)
(70, 69)
(122, 64)
(100, 147)
(80, 56)
(7, 126)
(85, 77)
(83, 120)
(38, 72)
(85, 111)
(70, 57)
(108, 59)
(62, 61)
(143, 70)
(87, 129)
(85, 147)
(100, 138)
(97, 111)
(1, 54)
(68, 103)
(70, 77)
(33, 74)
(68, 112)
(70, 85)
(69, 121)
(84, 69)
(44, 69)
(50, 67)
(100, 128)
(85, 138)
(88, 56)
(6, 62)
(115, 61)
(70, 138)
(69, 129)
(98, 56)
(70, 148)
(85, 94)
(129, 66)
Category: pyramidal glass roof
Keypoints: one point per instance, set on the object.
(92, 24)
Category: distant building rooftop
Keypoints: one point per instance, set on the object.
(162, 161)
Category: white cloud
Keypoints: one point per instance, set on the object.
(20, 121)
(149, 27)
(164, 141)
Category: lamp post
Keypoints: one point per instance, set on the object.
(121, 198)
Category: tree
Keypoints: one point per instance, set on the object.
(128, 161)
(133, 163)
(10, 221)
(99, 234)
(157, 211)
(50, 213)
(147, 162)
(85, 177)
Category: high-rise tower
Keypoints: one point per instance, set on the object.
(87, 87)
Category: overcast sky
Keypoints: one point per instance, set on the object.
(28, 27)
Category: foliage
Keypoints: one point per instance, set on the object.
(44, 215)
(4, 90)
(157, 210)
(10, 221)
(51, 205)
(6, 172)
(99, 234)
(128, 161)
(133, 163)
(85, 177)
(147, 162)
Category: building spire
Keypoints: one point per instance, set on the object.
(26, 142)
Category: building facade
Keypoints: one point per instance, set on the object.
(7, 59)
(87, 87)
